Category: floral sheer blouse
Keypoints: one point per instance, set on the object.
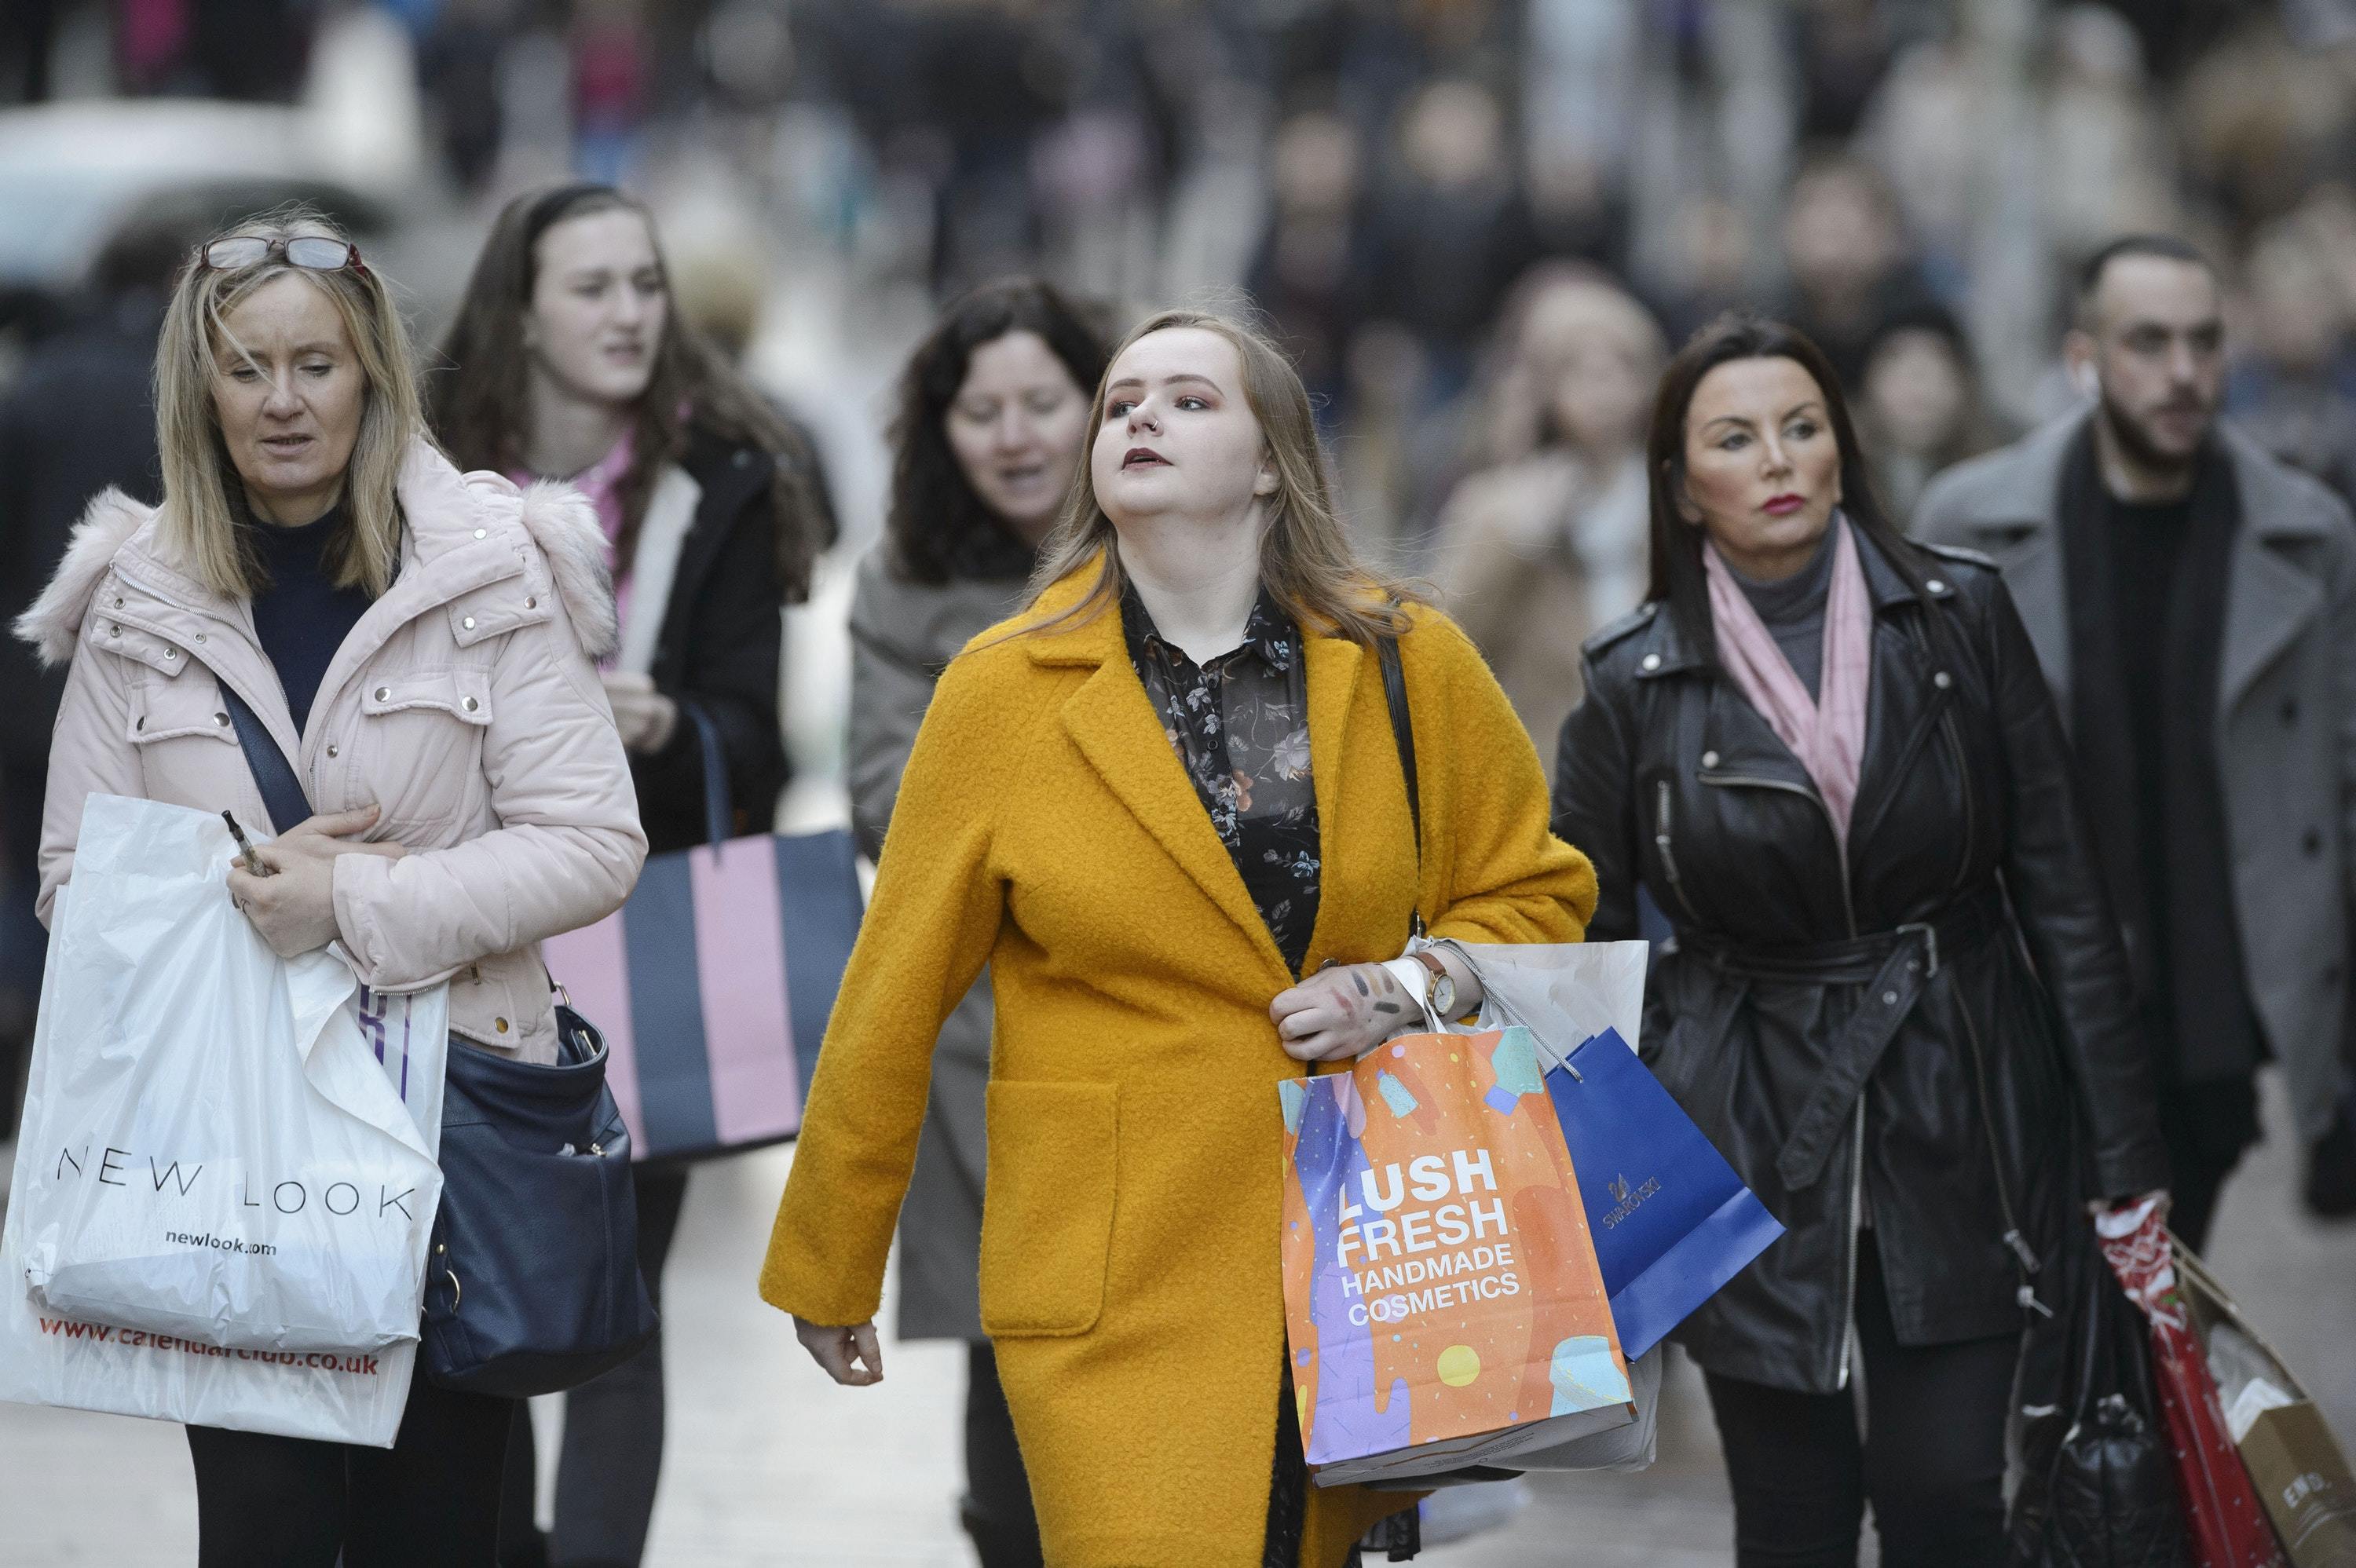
(1239, 722)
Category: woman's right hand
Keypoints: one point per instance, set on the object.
(850, 1355)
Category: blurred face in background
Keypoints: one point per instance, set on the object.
(1840, 236)
(1917, 393)
(1596, 358)
(1016, 425)
(289, 392)
(2153, 339)
(1313, 166)
(599, 305)
(1179, 438)
(1761, 465)
(2297, 313)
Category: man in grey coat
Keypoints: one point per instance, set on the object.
(2193, 603)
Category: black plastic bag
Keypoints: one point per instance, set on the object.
(2099, 1489)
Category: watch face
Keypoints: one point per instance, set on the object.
(1444, 996)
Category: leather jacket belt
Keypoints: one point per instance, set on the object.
(1895, 968)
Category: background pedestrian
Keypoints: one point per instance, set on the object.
(569, 361)
(991, 425)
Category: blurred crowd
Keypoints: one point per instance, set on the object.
(1434, 201)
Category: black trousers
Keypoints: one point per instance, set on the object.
(432, 1500)
(611, 1461)
(1932, 1460)
(997, 1511)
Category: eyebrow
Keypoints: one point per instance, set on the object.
(1167, 381)
(321, 346)
(1744, 419)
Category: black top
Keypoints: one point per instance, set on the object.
(1240, 724)
(2145, 543)
(2147, 626)
(1794, 611)
(719, 649)
(301, 617)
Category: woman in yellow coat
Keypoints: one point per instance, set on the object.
(1152, 803)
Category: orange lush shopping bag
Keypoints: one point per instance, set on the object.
(1440, 1290)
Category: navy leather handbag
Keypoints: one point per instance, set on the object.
(533, 1285)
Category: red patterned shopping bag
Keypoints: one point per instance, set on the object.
(2228, 1528)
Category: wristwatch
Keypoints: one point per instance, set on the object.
(1427, 978)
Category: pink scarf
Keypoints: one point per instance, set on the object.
(601, 484)
(1827, 732)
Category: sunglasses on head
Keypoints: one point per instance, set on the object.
(314, 251)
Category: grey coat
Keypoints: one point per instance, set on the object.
(901, 636)
(2286, 715)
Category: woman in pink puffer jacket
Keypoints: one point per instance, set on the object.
(419, 644)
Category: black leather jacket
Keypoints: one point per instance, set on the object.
(1959, 962)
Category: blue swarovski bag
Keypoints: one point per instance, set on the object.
(1670, 1219)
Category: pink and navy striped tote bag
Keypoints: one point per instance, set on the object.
(713, 983)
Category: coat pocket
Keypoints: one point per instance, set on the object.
(418, 749)
(1046, 1226)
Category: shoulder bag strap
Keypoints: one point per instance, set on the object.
(1403, 733)
(282, 791)
(719, 813)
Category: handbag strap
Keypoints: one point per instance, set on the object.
(719, 812)
(1403, 734)
(282, 790)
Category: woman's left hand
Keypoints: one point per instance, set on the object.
(645, 717)
(294, 906)
(1342, 1012)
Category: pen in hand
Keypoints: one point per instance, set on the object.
(245, 847)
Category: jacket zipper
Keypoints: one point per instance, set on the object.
(1855, 1214)
(1840, 850)
(1963, 784)
(1661, 837)
(1857, 1135)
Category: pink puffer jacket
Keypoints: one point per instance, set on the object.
(464, 704)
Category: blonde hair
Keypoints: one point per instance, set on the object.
(199, 523)
(1305, 559)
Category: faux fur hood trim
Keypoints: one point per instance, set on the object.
(566, 527)
(53, 624)
(558, 518)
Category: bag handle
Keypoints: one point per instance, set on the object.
(282, 790)
(719, 811)
(1403, 735)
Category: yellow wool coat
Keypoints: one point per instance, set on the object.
(1130, 1269)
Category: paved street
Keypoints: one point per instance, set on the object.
(771, 1464)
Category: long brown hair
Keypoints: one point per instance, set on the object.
(1305, 559)
(1677, 574)
(482, 413)
(201, 524)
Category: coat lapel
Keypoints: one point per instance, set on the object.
(440, 560)
(1331, 676)
(2269, 602)
(1113, 724)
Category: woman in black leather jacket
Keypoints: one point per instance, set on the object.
(1900, 1006)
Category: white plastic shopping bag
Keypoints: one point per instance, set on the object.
(226, 1177)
